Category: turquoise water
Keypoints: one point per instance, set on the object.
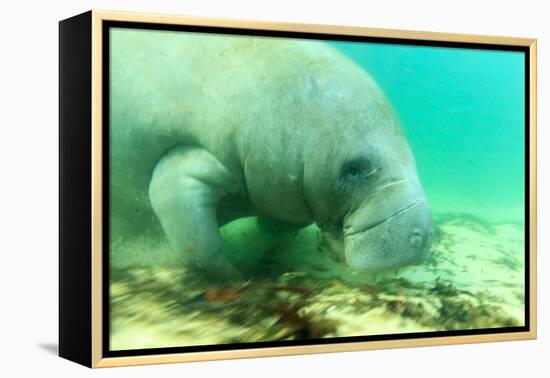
(463, 113)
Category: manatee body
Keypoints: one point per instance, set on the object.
(205, 130)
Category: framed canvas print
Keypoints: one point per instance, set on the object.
(234, 189)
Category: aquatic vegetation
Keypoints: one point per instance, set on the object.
(306, 296)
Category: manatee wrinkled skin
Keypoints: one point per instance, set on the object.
(205, 130)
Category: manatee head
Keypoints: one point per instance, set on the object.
(369, 202)
(390, 228)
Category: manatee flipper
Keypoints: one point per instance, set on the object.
(185, 188)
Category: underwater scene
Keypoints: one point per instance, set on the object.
(270, 189)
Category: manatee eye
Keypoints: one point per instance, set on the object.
(353, 171)
(356, 168)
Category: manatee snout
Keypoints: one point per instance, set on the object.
(400, 234)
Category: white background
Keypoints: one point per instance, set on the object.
(29, 174)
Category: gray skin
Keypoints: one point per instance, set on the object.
(217, 128)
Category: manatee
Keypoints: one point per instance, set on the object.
(205, 129)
